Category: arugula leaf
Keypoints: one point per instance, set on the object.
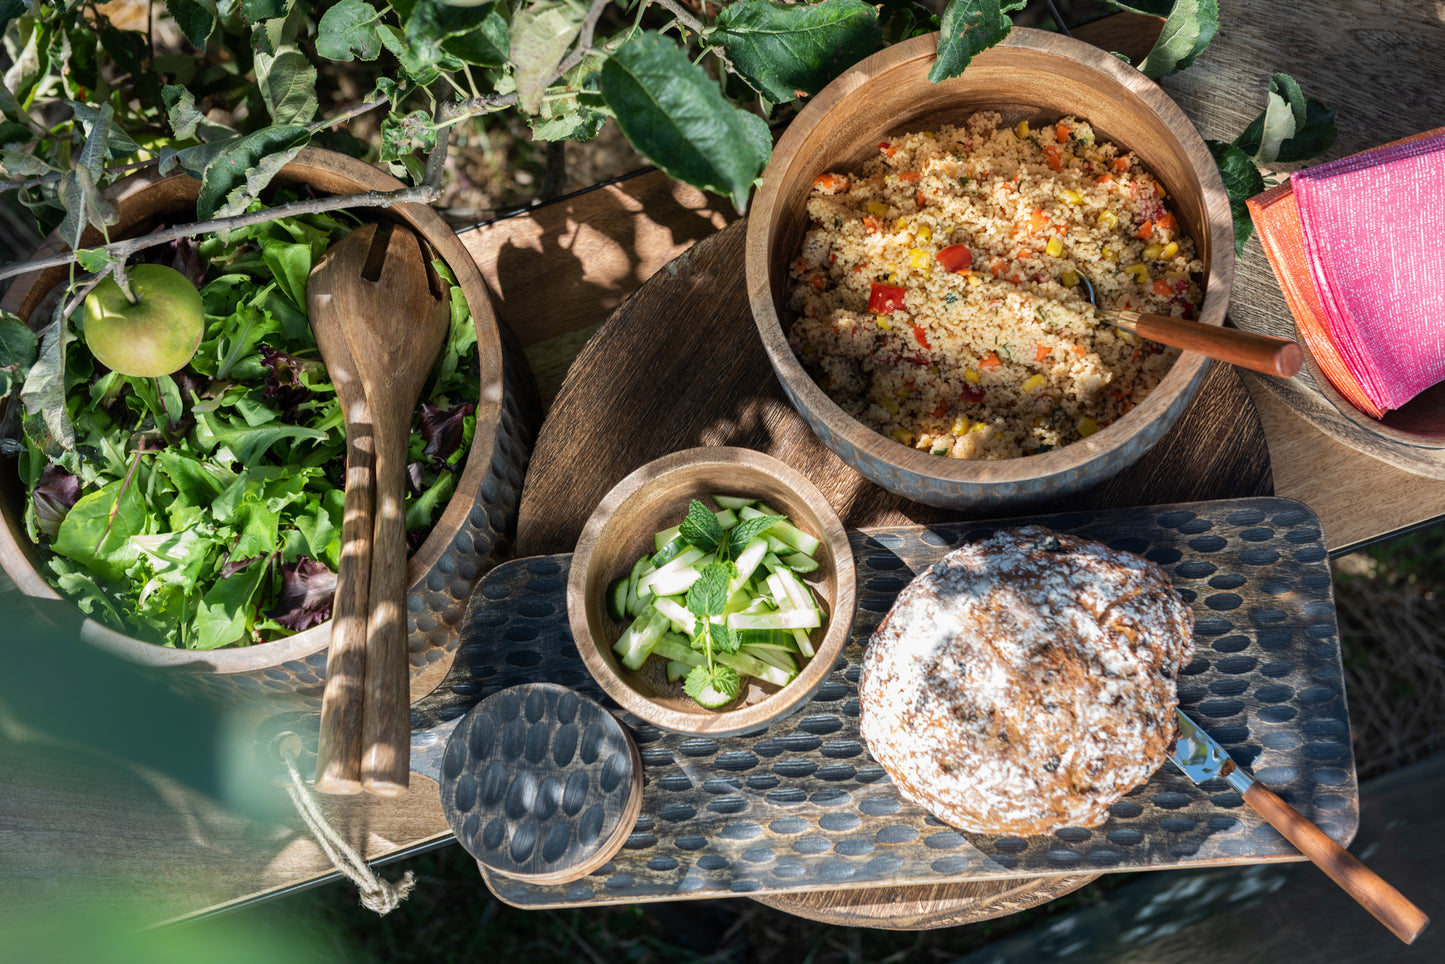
(224, 610)
(97, 529)
(701, 527)
(235, 440)
(748, 529)
(968, 28)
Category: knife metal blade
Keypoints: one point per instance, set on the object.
(1203, 759)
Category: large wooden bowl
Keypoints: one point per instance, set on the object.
(474, 530)
(655, 497)
(1035, 76)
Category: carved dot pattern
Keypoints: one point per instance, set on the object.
(516, 808)
(801, 805)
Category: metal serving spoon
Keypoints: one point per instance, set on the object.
(1261, 353)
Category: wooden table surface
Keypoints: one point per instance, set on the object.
(558, 272)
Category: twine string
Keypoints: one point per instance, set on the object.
(377, 894)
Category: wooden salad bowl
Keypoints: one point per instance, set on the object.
(1032, 75)
(655, 497)
(473, 533)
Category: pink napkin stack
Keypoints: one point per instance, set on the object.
(1374, 237)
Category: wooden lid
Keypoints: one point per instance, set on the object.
(541, 783)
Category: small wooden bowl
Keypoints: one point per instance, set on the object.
(655, 497)
(1035, 76)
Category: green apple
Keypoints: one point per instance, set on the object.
(155, 335)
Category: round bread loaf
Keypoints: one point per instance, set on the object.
(1026, 682)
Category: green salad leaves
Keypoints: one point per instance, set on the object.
(204, 509)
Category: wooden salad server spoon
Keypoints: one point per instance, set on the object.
(332, 296)
(1246, 349)
(395, 336)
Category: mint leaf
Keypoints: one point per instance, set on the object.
(709, 594)
(701, 527)
(968, 28)
(723, 639)
(748, 529)
(784, 51)
(1242, 181)
(713, 685)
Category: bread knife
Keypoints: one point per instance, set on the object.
(1201, 758)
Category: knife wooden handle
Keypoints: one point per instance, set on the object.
(1387, 904)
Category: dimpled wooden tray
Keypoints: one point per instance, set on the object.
(802, 806)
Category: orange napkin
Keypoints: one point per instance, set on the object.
(1276, 220)
(1300, 256)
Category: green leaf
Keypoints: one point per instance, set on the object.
(542, 34)
(254, 10)
(1242, 181)
(290, 264)
(9, 10)
(902, 19)
(748, 529)
(567, 119)
(288, 85)
(222, 614)
(94, 260)
(17, 351)
(181, 111)
(709, 594)
(242, 442)
(787, 50)
(21, 164)
(484, 42)
(716, 678)
(243, 167)
(722, 638)
(44, 390)
(421, 63)
(96, 122)
(347, 32)
(701, 527)
(97, 529)
(1292, 128)
(83, 205)
(968, 28)
(673, 113)
(404, 134)
(196, 18)
(1188, 29)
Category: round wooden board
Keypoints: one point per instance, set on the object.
(680, 364)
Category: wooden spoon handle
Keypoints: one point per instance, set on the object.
(386, 735)
(1246, 349)
(338, 754)
(1387, 904)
